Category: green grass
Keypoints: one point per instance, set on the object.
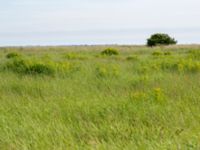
(57, 98)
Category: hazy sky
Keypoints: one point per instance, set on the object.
(30, 22)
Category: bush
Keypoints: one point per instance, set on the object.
(23, 66)
(158, 95)
(132, 58)
(17, 65)
(167, 53)
(66, 68)
(194, 54)
(107, 71)
(157, 53)
(110, 51)
(73, 56)
(160, 39)
(40, 69)
(187, 65)
(12, 55)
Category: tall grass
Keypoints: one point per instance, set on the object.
(132, 101)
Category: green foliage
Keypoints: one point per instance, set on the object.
(158, 95)
(160, 39)
(39, 68)
(71, 56)
(132, 58)
(107, 71)
(157, 53)
(155, 95)
(188, 65)
(194, 54)
(34, 67)
(17, 65)
(191, 66)
(65, 68)
(13, 55)
(100, 103)
(138, 96)
(24, 66)
(110, 51)
(74, 56)
(167, 53)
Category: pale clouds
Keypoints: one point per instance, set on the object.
(27, 16)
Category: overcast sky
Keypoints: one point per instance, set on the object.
(32, 22)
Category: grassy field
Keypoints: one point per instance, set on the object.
(57, 98)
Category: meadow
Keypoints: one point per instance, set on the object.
(75, 97)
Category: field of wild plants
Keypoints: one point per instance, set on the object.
(100, 97)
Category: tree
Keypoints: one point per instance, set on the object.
(160, 39)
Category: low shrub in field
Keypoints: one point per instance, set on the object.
(107, 71)
(156, 95)
(157, 53)
(71, 56)
(132, 58)
(31, 67)
(17, 65)
(155, 67)
(169, 65)
(144, 69)
(192, 66)
(46, 57)
(110, 51)
(39, 68)
(13, 55)
(160, 53)
(138, 96)
(167, 53)
(66, 68)
(74, 56)
(139, 81)
(194, 54)
(187, 65)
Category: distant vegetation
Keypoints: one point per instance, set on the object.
(13, 55)
(160, 39)
(100, 97)
(110, 51)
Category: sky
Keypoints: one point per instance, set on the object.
(69, 22)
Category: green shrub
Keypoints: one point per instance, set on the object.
(13, 55)
(132, 58)
(138, 96)
(168, 64)
(17, 65)
(38, 68)
(23, 66)
(187, 65)
(194, 54)
(157, 53)
(65, 68)
(74, 56)
(158, 95)
(110, 51)
(71, 56)
(192, 66)
(167, 53)
(107, 71)
(160, 39)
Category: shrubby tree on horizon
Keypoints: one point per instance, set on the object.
(160, 39)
